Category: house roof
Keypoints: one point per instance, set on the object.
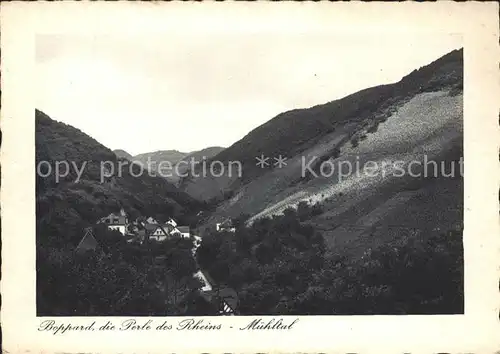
(162, 228)
(224, 298)
(172, 221)
(183, 229)
(168, 227)
(151, 228)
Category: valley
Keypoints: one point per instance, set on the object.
(319, 234)
(172, 157)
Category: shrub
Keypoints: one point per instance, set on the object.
(316, 209)
(373, 128)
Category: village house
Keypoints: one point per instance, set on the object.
(223, 300)
(171, 222)
(184, 231)
(227, 226)
(159, 232)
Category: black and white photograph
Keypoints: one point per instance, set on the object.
(239, 174)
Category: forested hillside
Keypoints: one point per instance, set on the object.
(103, 187)
(123, 279)
(281, 266)
(390, 243)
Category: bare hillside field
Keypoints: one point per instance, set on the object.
(435, 119)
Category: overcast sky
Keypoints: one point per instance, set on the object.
(190, 91)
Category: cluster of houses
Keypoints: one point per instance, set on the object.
(144, 228)
(138, 230)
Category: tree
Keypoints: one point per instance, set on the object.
(239, 221)
(303, 210)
